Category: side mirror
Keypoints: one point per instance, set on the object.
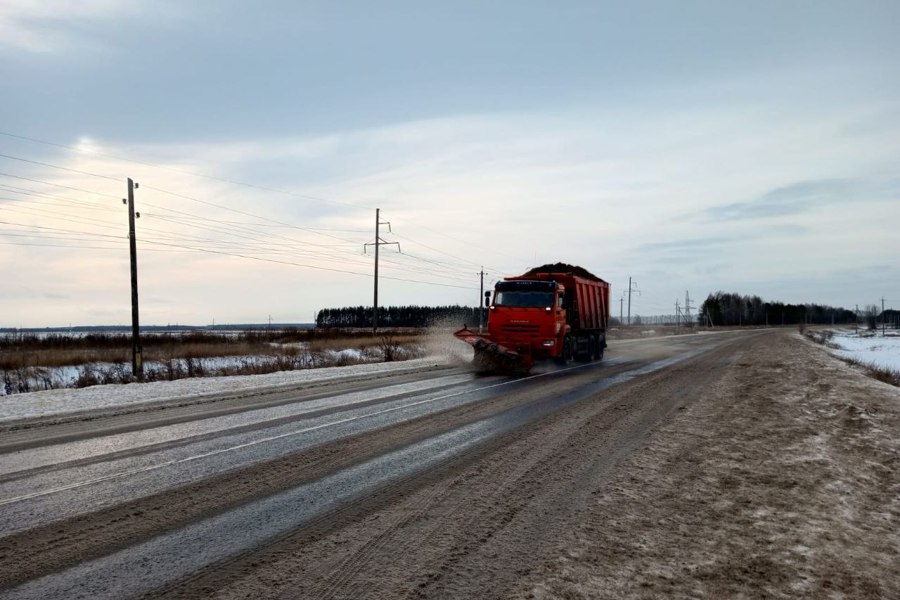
(487, 298)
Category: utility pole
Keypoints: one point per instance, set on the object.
(621, 302)
(377, 243)
(677, 314)
(137, 359)
(481, 301)
(631, 287)
(856, 314)
(883, 319)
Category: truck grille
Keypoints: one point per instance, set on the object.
(515, 328)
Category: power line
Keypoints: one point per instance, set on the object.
(31, 212)
(174, 194)
(443, 234)
(184, 172)
(253, 216)
(314, 231)
(447, 274)
(223, 180)
(186, 248)
(283, 262)
(35, 194)
(232, 230)
(68, 187)
(241, 212)
(251, 238)
(43, 164)
(78, 246)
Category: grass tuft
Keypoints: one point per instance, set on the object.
(884, 374)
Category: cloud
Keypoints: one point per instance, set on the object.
(694, 245)
(43, 26)
(802, 197)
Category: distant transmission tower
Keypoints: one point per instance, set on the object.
(687, 309)
(632, 287)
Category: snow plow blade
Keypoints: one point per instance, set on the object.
(491, 356)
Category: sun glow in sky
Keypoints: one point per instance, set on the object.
(693, 146)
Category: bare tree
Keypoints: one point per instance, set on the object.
(870, 315)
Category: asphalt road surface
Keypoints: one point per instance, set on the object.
(438, 483)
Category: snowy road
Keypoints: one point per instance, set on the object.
(83, 501)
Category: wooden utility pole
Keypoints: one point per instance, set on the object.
(377, 243)
(375, 300)
(137, 360)
(481, 302)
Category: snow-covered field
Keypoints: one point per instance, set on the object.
(868, 348)
(60, 401)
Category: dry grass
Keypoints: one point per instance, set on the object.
(63, 351)
(30, 363)
(884, 374)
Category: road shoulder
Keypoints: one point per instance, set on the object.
(781, 480)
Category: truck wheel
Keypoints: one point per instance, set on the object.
(588, 354)
(566, 352)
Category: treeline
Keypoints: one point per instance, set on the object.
(724, 308)
(398, 316)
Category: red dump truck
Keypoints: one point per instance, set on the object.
(556, 311)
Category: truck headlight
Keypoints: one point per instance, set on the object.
(549, 343)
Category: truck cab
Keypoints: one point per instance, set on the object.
(529, 316)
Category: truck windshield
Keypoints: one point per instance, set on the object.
(524, 299)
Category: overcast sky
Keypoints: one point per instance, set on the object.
(751, 147)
